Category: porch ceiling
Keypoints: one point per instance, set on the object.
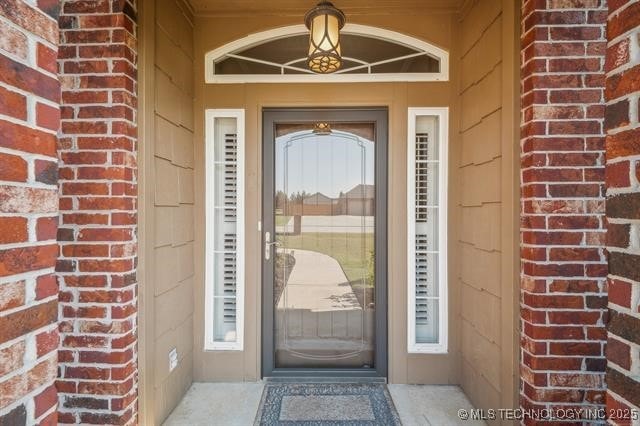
(299, 7)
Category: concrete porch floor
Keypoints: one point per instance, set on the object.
(236, 404)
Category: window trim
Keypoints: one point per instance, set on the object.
(443, 313)
(209, 343)
(257, 38)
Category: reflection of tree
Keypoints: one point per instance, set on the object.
(281, 200)
(297, 197)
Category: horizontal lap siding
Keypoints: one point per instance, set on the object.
(623, 207)
(29, 120)
(481, 203)
(172, 206)
(563, 289)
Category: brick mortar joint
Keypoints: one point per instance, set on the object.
(621, 9)
(27, 367)
(633, 374)
(39, 38)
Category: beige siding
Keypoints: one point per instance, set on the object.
(210, 33)
(171, 252)
(485, 176)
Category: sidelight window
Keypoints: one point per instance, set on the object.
(224, 306)
(427, 230)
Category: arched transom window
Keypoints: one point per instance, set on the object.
(369, 54)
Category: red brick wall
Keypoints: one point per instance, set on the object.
(29, 119)
(623, 205)
(563, 270)
(97, 235)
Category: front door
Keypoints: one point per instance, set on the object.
(324, 242)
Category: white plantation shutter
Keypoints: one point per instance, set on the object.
(230, 158)
(423, 214)
(427, 230)
(224, 303)
(230, 203)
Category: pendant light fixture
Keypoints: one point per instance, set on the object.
(324, 23)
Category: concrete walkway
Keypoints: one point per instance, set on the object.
(318, 314)
(317, 283)
(236, 404)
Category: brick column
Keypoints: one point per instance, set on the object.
(563, 270)
(623, 206)
(97, 235)
(29, 120)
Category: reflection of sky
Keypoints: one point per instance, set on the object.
(327, 164)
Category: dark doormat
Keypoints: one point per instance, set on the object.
(315, 404)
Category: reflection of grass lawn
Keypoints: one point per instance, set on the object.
(351, 250)
(282, 220)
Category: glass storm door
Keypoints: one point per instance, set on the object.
(323, 242)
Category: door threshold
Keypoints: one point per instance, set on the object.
(321, 379)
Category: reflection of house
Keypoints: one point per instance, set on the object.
(317, 199)
(317, 204)
(359, 201)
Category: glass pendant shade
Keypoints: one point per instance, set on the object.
(324, 23)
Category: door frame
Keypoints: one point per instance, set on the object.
(270, 117)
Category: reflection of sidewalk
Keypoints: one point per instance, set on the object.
(317, 283)
(319, 314)
(328, 224)
(318, 306)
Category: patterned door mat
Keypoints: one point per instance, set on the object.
(315, 404)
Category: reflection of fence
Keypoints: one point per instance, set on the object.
(342, 323)
(310, 210)
(313, 338)
(351, 207)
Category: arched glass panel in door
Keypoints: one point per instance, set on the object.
(324, 282)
